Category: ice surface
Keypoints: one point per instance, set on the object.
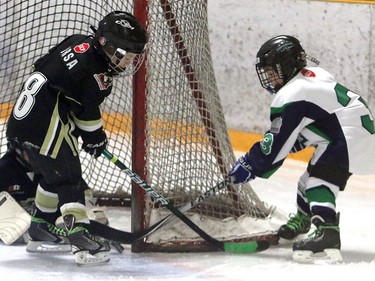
(356, 204)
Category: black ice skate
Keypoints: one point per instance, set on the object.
(323, 245)
(45, 237)
(87, 248)
(291, 231)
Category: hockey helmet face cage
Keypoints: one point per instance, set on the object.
(279, 60)
(123, 41)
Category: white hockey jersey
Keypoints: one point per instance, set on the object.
(315, 109)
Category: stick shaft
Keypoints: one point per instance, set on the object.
(125, 237)
(159, 198)
(235, 247)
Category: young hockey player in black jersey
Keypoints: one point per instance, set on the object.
(58, 103)
(310, 108)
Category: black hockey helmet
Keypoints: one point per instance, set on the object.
(121, 37)
(279, 60)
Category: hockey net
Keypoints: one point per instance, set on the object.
(172, 133)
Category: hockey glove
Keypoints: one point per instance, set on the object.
(94, 142)
(241, 172)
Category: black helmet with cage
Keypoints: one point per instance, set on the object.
(279, 60)
(121, 39)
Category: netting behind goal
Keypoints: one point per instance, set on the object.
(166, 123)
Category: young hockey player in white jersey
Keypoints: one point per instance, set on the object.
(59, 102)
(310, 108)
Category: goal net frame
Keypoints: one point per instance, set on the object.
(201, 135)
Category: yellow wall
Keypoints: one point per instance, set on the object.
(241, 141)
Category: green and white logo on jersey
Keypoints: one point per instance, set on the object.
(266, 144)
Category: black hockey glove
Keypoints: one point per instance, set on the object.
(94, 142)
(241, 171)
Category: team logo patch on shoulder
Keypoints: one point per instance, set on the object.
(307, 73)
(104, 82)
(81, 48)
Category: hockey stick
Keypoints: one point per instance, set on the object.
(239, 247)
(129, 237)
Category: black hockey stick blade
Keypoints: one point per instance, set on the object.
(110, 233)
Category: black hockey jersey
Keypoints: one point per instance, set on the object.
(64, 92)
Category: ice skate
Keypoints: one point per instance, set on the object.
(94, 212)
(45, 237)
(87, 248)
(294, 230)
(323, 245)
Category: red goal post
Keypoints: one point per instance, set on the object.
(166, 122)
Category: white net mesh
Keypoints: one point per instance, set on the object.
(186, 146)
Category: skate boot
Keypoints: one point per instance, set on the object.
(297, 224)
(45, 237)
(94, 212)
(87, 248)
(323, 245)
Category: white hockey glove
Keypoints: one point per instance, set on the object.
(241, 172)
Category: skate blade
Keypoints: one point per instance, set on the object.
(47, 247)
(84, 258)
(328, 256)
